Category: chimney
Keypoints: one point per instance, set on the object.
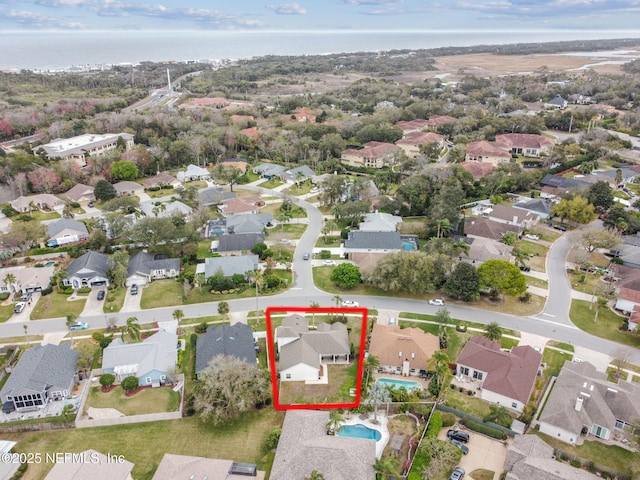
(579, 401)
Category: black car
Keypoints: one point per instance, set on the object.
(460, 445)
(458, 435)
(560, 227)
(134, 289)
(101, 295)
(525, 268)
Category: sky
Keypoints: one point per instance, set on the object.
(267, 15)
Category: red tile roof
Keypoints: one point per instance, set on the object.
(477, 169)
(524, 140)
(420, 138)
(486, 149)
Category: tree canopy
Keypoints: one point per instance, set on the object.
(502, 277)
(104, 191)
(463, 284)
(346, 275)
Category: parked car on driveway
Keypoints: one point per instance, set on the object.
(460, 445)
(458, 435)
(79, 326)
(560, 227)
(329, 263)
(457, 474)
(19, 307)
(134, 289)
(350, 303)
(532, 237)
(100, 294)
(438, 302)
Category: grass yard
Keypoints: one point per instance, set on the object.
(197, 184)
(161, 293)
(321, 280)
(163, 192)
(400, 425)
(204, 249)
(114, 300)
(610, 456)
(482, 474)
(148, 400)
(332, 242)
(6, 311)
(554, 360)
(607, 325)
(271, 184)
(537, 252)
(144, 444)
(341, 379)
(536, 282)
(470, 404)
(56, 305)
(585, 282)
(295, 230)
(508, 343)
(40, 216)
(305, 187)
(561, 345)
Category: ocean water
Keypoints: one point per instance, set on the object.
(64, 50)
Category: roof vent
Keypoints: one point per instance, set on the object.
(579, 401)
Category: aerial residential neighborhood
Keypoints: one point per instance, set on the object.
(457, 255)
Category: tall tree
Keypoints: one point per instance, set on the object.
(600, 195)
(132, 329)
(502, 277)
(493, 331)
(463, 284)
(376, 395)
(104, 191)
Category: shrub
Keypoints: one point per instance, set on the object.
(525, 297)
(448, 419)
(129, 384)
(4, 296)
(461, 328)
(435, 425)
(46, 291)
(84, 290)
(325, 254)
(75, 205)
(68, 291)
(272, 439)
(107, 379)
(485, 430)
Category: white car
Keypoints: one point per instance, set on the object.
(532, 237)
(329, 263)
(350, 303)
(438, 302)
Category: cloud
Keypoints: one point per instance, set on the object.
(40, 21)
(370, 2)
(286, 9)
(547, 8)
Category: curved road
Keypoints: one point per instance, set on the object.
(553, 322)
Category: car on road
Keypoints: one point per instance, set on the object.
(305, 256)
(19, 307)
(134, 289)
(460, 445)
(101, 294)
(457, 474)
(458, 435)
(562, 228)
(79, 326)
(329, 263)
(350, 303)
(532, 237)
(438, 302)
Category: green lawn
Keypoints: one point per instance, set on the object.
(537, 252)
(606, 325)
(272, 183)
(295, 230)
(554, 360)
(56, 305)
(144, 444)
(341, 379)
(114, 300)
(562, 346)
(161, 293)
(39, 216)
(332, 242)
(163, 192)
(148, 400)
(5, 312)
(204, 249)
(610, 456)
(321, 280)
(470, 404)
(305, 187)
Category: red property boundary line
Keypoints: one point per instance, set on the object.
(272, 356)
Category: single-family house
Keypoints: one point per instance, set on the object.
(537, 206)
(513, 216)
(583, 403)
(478, 170)
(146, 267)
(161, 180)
(373, 155)
(43, 373)
(412, 126)
(151, 361)
(90, 464)
(241, 205)
(304, 114)
(27, 279)
(380, 242)
(165, 209)
(304, 446)
(628, 172)
(214, 196)
(405, 351)
(241, 120)
(126, 187)
(486, 152)
(298, 175)
(232, 340)
(412, 143)
(236, 243)
(628, 300)
(79, 149)
(380, 222)
(528, 456)
(193, 172)
(484, 249)
(504, 378)
(434, 122)
(269, 170)
(555, 185)
(228, 265)
(80, 193)
(246, 223)
(66, 230)
(173, 467)
(252, 132)
(89, 270)
(304, 357)
(628, 251)
(556, 102)
(481, 227)
(526, 144)
(42, 201)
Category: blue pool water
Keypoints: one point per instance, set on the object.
(49, 264)
(395, 384)
(359, 431)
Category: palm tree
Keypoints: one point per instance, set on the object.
(9, 279)
(223, 309)
(519, 256)
(26, 333)
(387, 467)
(313, 314)
(378, 394)
(493, 331)
(315, 475)
(440, 363)
(178, 315)
(371, 365)
(132, 329)
(333, 425)
(444, 227)
(257, 278)
(71, 318)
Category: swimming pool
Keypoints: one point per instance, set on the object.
(359, 431)
(49, 264)
(396, 384)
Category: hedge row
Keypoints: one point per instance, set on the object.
(485, 429)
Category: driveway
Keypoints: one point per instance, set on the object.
(484, 452)
(132, 302)
(93, 305)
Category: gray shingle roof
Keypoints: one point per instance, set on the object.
(213, 196)
(304, 446)
(374, 240)
(144, 263)
(248, 223)
(230, 265)
(326, 340)
(41, 366)
(239, 241)
(89, 262)
(157, 352)
(58, 226)
(269, 169)
(556, 181)
(292, 174)
(234, 340)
